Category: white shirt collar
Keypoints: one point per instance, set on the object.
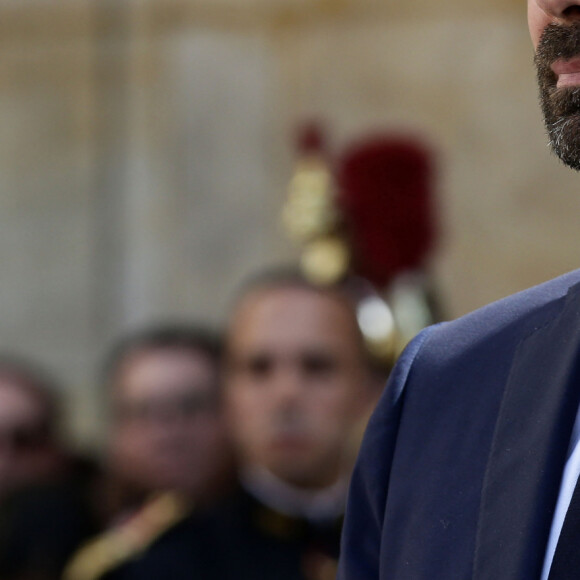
(319, 505)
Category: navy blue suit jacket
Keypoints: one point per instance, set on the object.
(460, 467)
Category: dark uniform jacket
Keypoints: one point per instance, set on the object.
(41, 526)
(55, 532)
(241, 540)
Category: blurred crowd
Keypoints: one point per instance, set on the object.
(227, 455)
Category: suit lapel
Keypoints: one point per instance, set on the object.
(529, 449)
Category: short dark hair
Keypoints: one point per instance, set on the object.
(292, 277)
(282, 277)
(32, 378)
(186, 337)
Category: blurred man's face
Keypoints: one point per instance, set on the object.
(26, 454)
(295, 383)
(168, 433)
(555, 31)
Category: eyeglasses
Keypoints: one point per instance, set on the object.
(23, 438)
(185, 407)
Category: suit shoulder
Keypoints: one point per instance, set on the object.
(501, 324)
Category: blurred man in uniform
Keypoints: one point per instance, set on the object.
(297, 384)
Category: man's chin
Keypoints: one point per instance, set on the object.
(304, 474)
(564, 137)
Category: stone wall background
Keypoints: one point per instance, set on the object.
(146, 149)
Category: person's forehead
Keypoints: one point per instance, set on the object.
(292, 316)
(159, 372)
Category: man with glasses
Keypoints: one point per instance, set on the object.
(167, 430)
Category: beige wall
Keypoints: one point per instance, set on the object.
(146, 148)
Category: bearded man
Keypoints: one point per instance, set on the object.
(470, 463)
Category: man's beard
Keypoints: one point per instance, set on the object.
(561, 106)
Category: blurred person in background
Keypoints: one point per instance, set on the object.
(29, 448)
(166, 451)
(296, 384)
(298, 381)
(167, 431)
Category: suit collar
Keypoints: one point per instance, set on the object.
(529, 448)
